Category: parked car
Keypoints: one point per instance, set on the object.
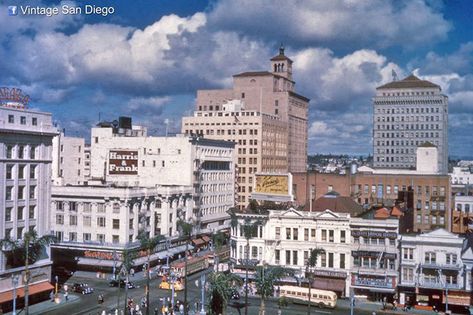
(116, 283)
(62, 272)
(82, 288)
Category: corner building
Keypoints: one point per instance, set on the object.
(25, 190)
(263, 115)
(407, 114)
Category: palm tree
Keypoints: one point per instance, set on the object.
(221, 286)
(218, 240)
(185, 230)
(149, 244)
(127, 264)
(311, 264)
(265, 281)
(25, 251)
(249, 229)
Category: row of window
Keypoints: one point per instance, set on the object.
(326, 235)
(406, 118)
(406, 134)
(408, 275)
(413, 110)
(87, 221)
(464, 207)
(19, 171)
(21, 192)
(87, 237)
(21, 152)
(427, 219)
(11, 120)
(428, 190)
(429, 257)
(20, 213)
(374, 263)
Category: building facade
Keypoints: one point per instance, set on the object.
(263, 115)
(68, 166)
(429, 194)
(124, 156)
(462, 214)
(408, 113)
(286, 237)
(462, 176)
(25, 187)
(432, 262)
(355, 256)
(374, 269)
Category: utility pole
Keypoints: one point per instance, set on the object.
(202, 282)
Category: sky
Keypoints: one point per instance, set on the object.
(148, 59)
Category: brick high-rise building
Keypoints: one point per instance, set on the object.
(409, 113)
(263, 115)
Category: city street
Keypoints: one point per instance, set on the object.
(88, 304)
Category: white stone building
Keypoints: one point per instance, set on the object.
(25, 187)
(127, 157)
(91, 219)
(69, 160)
(285, 238)
(432, 262)
(408, 113)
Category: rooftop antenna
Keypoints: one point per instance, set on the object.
(394, 74)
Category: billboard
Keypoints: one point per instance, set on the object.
(123, 162)
(273, 187)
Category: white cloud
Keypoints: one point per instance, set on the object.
(354, 23)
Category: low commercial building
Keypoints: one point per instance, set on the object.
(436, 267)
(374, 268)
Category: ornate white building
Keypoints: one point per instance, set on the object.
(432, 262)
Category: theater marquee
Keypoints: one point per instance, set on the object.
(123, 162)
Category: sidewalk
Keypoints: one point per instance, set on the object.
(46, 306)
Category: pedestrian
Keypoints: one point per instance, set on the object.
(51, 295)
(132, 272)
(156, 310)
(66, 296)
(181, 308)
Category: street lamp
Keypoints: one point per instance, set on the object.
(202, 282)
(14, 281)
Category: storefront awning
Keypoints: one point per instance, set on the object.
(206, 238)
(95, 262)
(330, 284)
(20, 292)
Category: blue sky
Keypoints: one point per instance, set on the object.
(148, 59)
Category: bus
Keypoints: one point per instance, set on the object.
(321, 298)
(194, 264)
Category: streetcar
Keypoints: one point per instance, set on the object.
(321, 298)
(194, 264)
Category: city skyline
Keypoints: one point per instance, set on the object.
(150, 65)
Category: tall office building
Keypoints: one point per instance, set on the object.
(25, 189)
(407, 114)
(263, 115)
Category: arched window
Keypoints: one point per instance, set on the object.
(275, 68)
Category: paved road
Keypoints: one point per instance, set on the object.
(87, 304)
